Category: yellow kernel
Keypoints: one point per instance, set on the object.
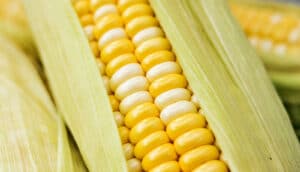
(150, 46)
(128, 150)
(170, 166)
(140, 113)
(185, 123)
(114, 102)
(159, 155)
(197, 157)
(100, 65)
(145, 128)
(106, 23)
(115, 49)
(166, 83)
(106, 84)
(193, 139)
(157, 58)
(118, 62)
(95, 4)
(124, 134)
(119, 118)
(146, 34)
(140, 23)
(212, 166)
(94, 47)
(134, 165)
(136, 11)
(82, 7)
(111, 36)
(86, 19)
(150, 142)
(123, 4)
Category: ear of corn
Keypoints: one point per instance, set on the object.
(231, 85)
(156, 113)
(33, 137)
(273, 29)
(78, 90)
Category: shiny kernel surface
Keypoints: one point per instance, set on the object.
(170, 166)
(119, 62)
(115, 49)
(139, 113)
(212, 166)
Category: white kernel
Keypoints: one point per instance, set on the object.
(294, 36)
(172, 96)
(176, 110)
(138, 83)
(253, 41)
(110, 36)
(276, 18)
(280, 49)
(146, 34)
(133, 100)
(266, 45)
(124, 73)
(88, 30)
(105, 10)
(162, 69)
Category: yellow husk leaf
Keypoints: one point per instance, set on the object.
(241, 106)
(74, 80)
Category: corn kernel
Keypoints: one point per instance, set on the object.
(139, 113)
(86, 19)
(212, 166)
(166, 83)
(157, 58)
(136, 10)
(115, 49)
(163, 69)
(170, 166)
(159, 155)
(106, 23)
(134, 100)
(94, 47)
(124, 4)
(150, 46)
(119, 62)
(134, 165)
(139, 23)
(111, 36)
(145, 128)
(104, 10)
(132, 85)
(124, 134)
(128, 150)
(95, 4)
(184, 124)
(119, 118)
(114, 102)
(149, 143)
(196, 157)
(172, 96)
(193, 139)
(82, 7)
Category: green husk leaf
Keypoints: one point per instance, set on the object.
(242, 108)
(32, 135)
(75, 83)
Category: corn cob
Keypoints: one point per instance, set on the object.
(33, 137)
(127, 42)
(273, 29)
(127, 52)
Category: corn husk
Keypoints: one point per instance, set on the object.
(74, 80)
(241, 106)
(32, 136)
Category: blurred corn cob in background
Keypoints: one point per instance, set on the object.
(274, 30)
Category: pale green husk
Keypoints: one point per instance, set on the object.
(32, 135)
(75, 83)
(241, 106)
